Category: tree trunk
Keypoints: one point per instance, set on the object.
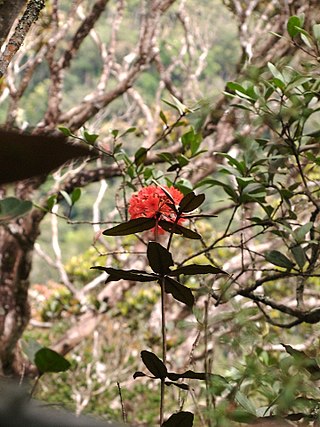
(16, 245)
(9, 11)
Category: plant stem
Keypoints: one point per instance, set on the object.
(206, 360)
(164, 346)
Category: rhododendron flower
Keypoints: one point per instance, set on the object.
(152, 202)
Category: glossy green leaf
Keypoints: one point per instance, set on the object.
(154, 364)
(179, 229)
(196, 269)
(160, 259)
(277, 258)
(180, 419)
(11, 207)
(47, 360)
(130, 227)
(178, 291)
(118, 274)
(293, 22)
(75, 195)
(190, 202)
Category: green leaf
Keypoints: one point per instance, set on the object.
(180, 419)
(178, 291)
(197, 269)
(190, 202)
(293, 22)
(163, 117)
(75, 195)
(47, 360)
(160, 259)
(52, 200)
(130, 227)
(140, 156)
(183, 161)
(300, 233)
(129, 130)
(178, 105)
(245, 403)
(191, 140)
(277, 258)
(275, 72)
(65, 131)
(239, 415)
(90, 137)
(66, 197)
(179, 229)
(118, 274)
(11, 207)
(299, 255)
(154, 364)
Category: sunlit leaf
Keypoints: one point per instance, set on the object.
(66, 197)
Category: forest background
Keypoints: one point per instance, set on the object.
(145, 84)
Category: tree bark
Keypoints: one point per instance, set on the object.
(9, 11)
(16, 245)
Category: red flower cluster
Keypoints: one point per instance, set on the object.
(152, 202)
